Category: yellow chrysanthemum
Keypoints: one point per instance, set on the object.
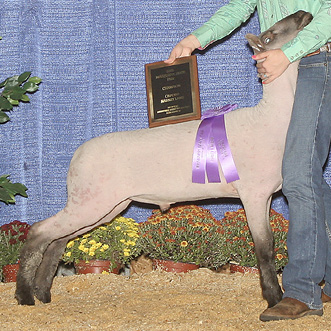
(81, 247)
(71, 243)
(184, 243)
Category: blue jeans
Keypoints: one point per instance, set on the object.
(308, 195)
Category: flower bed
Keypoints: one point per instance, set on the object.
(239, 240)
(183, 234)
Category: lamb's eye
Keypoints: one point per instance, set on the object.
(267, 40)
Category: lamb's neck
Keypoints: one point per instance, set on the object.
(279, 94)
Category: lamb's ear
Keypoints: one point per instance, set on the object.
(304, 19)
(255, 43)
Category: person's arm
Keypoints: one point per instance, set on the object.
(184, 48)
(223, 22)
(312, 37)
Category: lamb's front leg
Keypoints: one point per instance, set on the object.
(264, 249)
(258, 219)
(30, 259)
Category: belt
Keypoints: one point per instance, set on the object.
(325, 48)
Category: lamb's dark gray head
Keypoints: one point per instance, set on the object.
(280, 33)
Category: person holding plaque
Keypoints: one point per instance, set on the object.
(307, 144)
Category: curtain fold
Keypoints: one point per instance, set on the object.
(91, 55)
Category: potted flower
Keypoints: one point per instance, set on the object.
(106, 248)
(185, 234)
(239, 240)
(12, 238)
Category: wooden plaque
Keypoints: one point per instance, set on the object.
(173, 91)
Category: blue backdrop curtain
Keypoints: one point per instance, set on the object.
(91, 56)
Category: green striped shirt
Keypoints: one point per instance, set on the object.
(232, 15)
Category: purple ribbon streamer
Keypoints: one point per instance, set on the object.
(211, 145)
(200, 152)
(223, 150)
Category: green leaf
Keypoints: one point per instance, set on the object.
(18, 188)
(4, 179)
(5, 104)
(18, 89)
(35, 79)
(25, 98)
(5, 197)
(3, 117)
(13, 102)
(2, 84)
(30, 87)
(12, 81)
(16, 95)
(6, 92)
(23, 77)
(8, 190)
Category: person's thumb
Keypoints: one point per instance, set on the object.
(260, 56)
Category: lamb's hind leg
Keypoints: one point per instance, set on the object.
(30, 258)
(39, 239)
(36, 274)
(46, 270)
(258, 219)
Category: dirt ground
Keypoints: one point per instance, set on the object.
(155, 300)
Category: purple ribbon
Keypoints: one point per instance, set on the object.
(218, 111)
(211, 146)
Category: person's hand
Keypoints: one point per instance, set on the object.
(184, 48)
(271, 64)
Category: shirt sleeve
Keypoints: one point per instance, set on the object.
(316, 34)
(224, 21)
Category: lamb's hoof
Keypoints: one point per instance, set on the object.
(273, 298)
(25, 300)
(43, 296)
